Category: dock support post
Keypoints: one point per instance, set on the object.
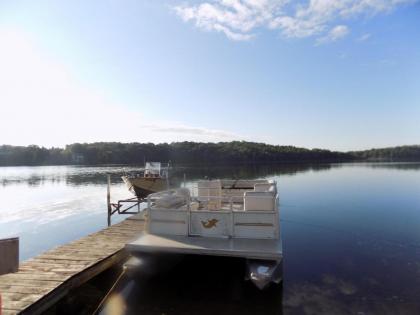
(9, 253)
(108, 199)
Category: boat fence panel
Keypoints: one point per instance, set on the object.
(211, 223)
(207, 212)
(258, 225)
(168, 222)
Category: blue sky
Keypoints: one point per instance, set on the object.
(324, 73)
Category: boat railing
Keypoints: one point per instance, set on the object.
(249, 202)
(208, 200)
(255, 215)
(177, 212)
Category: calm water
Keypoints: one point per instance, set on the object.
(351, 232)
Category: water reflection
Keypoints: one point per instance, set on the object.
(342, 275)
(79, 175)
(414, 166)
(202, 285)
(351, 232)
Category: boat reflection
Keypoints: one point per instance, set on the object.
(195, 285)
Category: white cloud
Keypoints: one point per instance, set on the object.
(235, 18)
(364, 37)
(239, 19)
(42, 103)
(334, 34)
(179, 128)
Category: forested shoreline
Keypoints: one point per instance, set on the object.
(192, 153)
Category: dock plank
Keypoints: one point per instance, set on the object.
(43, 280)
(37, 276)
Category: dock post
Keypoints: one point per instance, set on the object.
(108, 198)
(9, 253)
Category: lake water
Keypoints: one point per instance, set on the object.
(351, 232)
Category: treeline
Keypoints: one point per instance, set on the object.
(402, 153)
(189, 153)
(32, 155)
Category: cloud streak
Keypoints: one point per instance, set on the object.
(324, 19)
(364, 37)
(334, 34)
(216, 134)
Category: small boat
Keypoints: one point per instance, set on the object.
(152, 178)
(233, 218)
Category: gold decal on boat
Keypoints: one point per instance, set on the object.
(210, 223)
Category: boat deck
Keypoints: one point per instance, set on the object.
(43, 280)
(268, 249)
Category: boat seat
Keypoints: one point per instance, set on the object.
(194, 205)
(172, 199)
(266, 187)
(185, 192)
(259, 201)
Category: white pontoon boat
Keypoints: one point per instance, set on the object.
(235, 218)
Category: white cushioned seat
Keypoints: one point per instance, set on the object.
(269, 186)
(256, 200)
(172, 198)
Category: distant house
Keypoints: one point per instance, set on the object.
(77, 158)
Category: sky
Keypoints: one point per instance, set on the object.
(333, 74)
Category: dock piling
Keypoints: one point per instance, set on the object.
(108, 199)
(9, 255)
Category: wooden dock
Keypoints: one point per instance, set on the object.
(43, 280)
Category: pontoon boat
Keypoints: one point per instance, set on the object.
(235, 218)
